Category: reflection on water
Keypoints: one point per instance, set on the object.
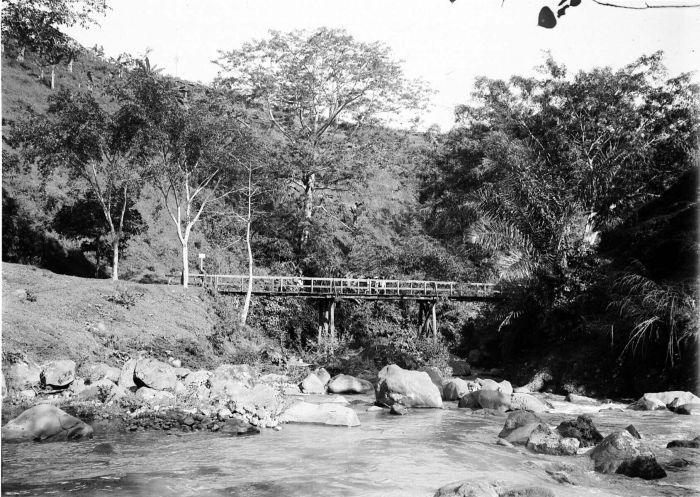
(403, 456)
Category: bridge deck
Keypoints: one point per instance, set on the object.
(369, 289)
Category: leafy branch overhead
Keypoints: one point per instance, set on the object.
(548, 19)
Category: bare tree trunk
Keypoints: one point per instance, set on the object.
(115, 259)
(70, 66)
(249, 218)
(185, 263)
(53, 77)
(249, 292)
(309, 186)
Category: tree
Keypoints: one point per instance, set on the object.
(540, 165)
(317, 90)
(31, 24)
(84, 220)
(194, 143)
(105, 149)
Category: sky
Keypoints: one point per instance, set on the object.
(446, 44)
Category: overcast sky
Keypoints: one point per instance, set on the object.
(446, 44)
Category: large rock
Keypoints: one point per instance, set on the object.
(327, 414)
(312, 384)
(460, 367)
(58, 374)
(101, 391)
(457, 388)
(435, 376)
(486, 399)
(126, 377)
(478, 488)
(344, 383)
(101, 371)
(239, 372)
(658, 400)
(225, 388)
(45, 423)
(409, 388)
(537, 382)
(582, 429)
(692, 409)
(468, 489)
(544, 440)
(581, 399)
(323, 375)
(527, 402)
(155, 374)
(519, 426)
(686, 444)
(488, 384)
(155, 397)
(618, 453)
(23, 375)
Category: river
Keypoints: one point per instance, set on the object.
(405, 456)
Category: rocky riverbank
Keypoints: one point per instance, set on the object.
(57, 401)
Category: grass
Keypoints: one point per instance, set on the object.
(101, 320)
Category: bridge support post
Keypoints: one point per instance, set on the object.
(427, 319)
(326, 324)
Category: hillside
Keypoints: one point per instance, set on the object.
(49, 316)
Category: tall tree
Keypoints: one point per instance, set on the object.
(194, 141)
(546, 162)
(32, 24)
(317, 89)
(105, 149)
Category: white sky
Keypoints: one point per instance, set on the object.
(446, 44)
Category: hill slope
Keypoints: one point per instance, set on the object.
(51, 316)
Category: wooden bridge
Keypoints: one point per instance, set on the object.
(330, 291)
(352, 288)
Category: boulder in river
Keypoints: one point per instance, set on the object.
(155, 374)
(692, 409)
(344, 383)
(312, 384)
(476, 488)
(659, 400)
(527, 402)
(486, 399)
(327, 414)
(686, 444)
(435, 376)
(581, 399)
(622, 453)
(460, 367)
(398, 410)
(456, 388)
(544, 440)
(489, 384)
(236, 426)
(409, 388)
(45, 423)
(519, 426)
(537, 382)
(582, 429)
(58, 374)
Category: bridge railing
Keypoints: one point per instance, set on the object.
(290, 285)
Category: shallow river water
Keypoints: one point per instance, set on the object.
(405, 456)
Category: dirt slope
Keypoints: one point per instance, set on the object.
(88, 319)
